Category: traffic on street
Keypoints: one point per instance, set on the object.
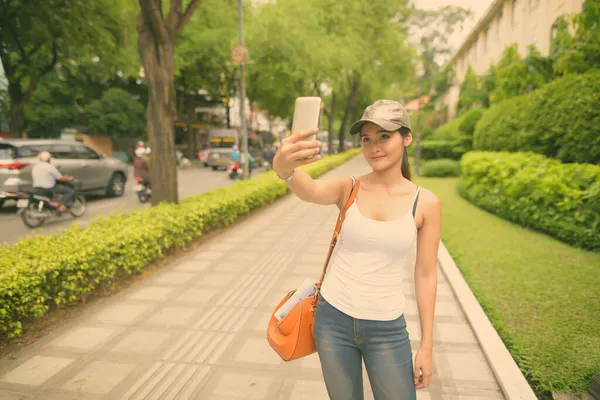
(193, 180)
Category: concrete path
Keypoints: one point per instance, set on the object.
(196, 329)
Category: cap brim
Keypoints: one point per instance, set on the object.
(384, 124)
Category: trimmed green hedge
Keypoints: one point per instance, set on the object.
(559, 120)
(468, 122)
(562, 200)
(449, 131)
(44, 271)
(440, 168)
(436, 149)
(454, 138)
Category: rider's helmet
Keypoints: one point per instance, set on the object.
(140, 152)
(44, 156)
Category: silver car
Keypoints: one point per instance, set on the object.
(95, 172)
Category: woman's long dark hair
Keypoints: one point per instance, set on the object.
(405, 164)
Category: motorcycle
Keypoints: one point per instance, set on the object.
(35, 208)
(142, 189)
(234, 170)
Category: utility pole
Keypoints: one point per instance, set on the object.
(244, 128)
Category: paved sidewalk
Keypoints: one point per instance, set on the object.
(196, 329)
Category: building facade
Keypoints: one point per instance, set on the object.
(506, 22)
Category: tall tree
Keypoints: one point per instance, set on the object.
(432, 30)
(470, 94)
(35, 36)
(156, 46)
(202, 57)
(579, 51)
(516, 76)
(116, 113)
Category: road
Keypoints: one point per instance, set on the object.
(191, 181)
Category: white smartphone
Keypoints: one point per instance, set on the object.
(307, 112)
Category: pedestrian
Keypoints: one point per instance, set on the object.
(268, 155)
(392, 225)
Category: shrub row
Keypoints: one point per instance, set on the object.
(440, 168)
(452, 139)
(436, 149)
(39, 273)
(562, 200)
(559, 120)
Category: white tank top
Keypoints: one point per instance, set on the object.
(365, 274)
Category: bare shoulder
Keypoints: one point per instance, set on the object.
(428, 198)
(430, 206)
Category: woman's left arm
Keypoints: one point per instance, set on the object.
(428, 239)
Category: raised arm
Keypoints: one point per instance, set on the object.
(293, 153)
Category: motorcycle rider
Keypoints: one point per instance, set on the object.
(45, 178)
(235, 153)
(141, 168)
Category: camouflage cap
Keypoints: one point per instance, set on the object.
(388, 114)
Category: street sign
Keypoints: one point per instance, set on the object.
(239, 54)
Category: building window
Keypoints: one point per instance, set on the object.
(513, 11)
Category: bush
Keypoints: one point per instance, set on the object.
(454, 138)
(449, 131)
(436, 149)
(498, 129)
(559, 120)
(562, 200)
(538, 293)
(468, 121)
(52, 271)
(441, 168)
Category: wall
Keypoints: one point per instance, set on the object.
(523, 22)
(100, 144)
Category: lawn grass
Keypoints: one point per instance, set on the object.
(542, 295)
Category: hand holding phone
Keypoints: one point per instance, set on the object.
(300, 147)
(296, 150)
(307, 113)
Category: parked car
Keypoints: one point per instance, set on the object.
(125, 156)
(96, 172)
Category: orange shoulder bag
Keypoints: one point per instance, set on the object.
(293, 336)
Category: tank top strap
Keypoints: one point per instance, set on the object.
(415, 201)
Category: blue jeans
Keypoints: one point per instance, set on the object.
(342, 342)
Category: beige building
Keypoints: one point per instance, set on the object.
(524, 22)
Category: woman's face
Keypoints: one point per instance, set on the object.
(382, 149)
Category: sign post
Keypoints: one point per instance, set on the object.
(239, 55)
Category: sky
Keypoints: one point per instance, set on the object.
(477, 6)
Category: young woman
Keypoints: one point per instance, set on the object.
(392, 225)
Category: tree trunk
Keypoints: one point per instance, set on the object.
(16, 118)
(330, 122)
(350, 107)
(158, 62)
(16, 113)
(228, 115)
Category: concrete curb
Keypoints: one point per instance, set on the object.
(509, 376)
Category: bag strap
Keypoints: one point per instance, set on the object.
(415, 201)
(336, 233)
